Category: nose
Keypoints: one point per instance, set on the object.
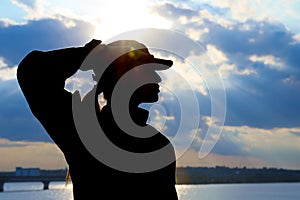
(157, 78)
(150, 76)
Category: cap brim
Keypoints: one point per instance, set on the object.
(162, 64)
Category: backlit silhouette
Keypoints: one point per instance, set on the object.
(42, 77)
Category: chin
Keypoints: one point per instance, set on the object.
(153, 99)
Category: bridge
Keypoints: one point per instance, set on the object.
(43, 179)
(33, 175)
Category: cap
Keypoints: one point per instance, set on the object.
(136, 54)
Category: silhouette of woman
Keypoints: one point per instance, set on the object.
(42, 76)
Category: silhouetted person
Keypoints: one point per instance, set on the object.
(42, 77)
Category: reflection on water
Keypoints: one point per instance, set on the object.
(30, 186)
(269, 191)
(34, 191)
(272, 191)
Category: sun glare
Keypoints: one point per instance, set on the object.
(120, 16)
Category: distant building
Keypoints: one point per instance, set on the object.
(27, 171)
(57, 172)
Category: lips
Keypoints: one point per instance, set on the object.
(155, 87)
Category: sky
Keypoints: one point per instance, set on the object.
(254, 47)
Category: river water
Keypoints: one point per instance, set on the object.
(269, 191)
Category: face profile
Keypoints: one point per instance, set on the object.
(147, 93)
(133, 61)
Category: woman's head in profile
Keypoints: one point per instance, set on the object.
(142, 66)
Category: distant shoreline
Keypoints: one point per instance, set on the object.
(229, 183)
(225, 175)
(204, 175)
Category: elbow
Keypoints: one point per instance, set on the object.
(27, 67)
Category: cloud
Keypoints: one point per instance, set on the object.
(16, 119)
(2, 63)
(278, 147)
(217, 56)
(196, 34)
(82, 81)
(190, 158)
(282, 11)
(45, 34)
(268, 60)
(296, 38)
(252, 37)
(16, 41)
(258, 60)
(185, 76)
(8, 73)
(241, 10)
(170, 11)
(27, 4)
(230, 69)
(5, 22)
(291, 80)
(34, 8)
(257, 57)
(30, 154)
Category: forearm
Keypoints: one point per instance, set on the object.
(52, 68)
(55, 66)
(41, 78)
(42, 75)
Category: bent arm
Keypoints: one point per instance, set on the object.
(42, 75)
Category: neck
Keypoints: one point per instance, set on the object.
(138, 115)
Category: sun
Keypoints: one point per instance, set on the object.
(120, 16)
